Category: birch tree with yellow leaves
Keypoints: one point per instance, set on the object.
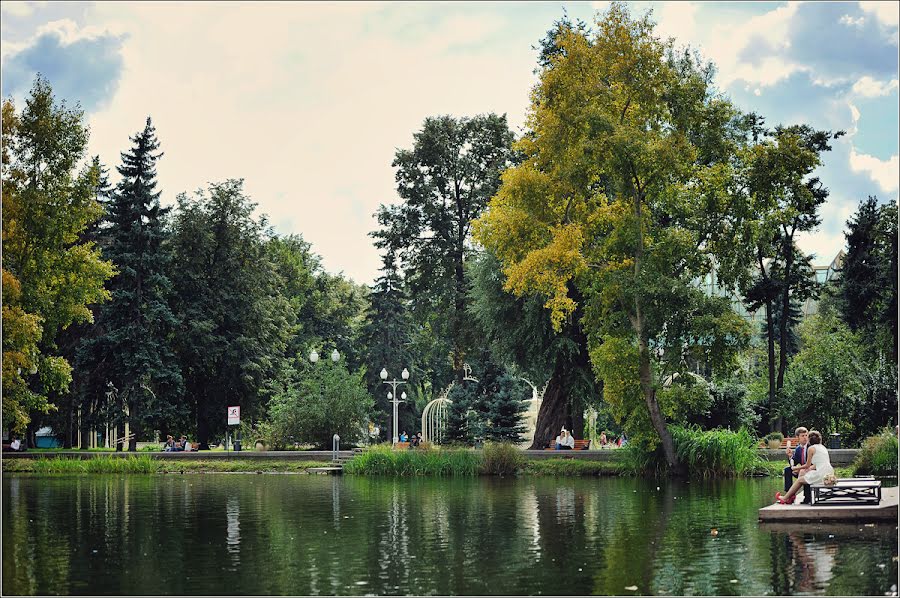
(623, 200)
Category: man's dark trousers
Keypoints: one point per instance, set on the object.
(790, 475)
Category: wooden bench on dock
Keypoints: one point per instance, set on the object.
(848, 491)
(580, 445)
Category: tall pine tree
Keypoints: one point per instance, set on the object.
(387, 335)
(138, 323)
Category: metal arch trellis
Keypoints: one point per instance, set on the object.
(434, 416)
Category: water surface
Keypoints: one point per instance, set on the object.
(221, 534)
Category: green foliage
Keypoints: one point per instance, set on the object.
(50, 275)
(878, 455)
(445, 181)
(387, 334)
(234, 320)
(501, 459)
(868, 276)
(505, 402)
(718, 453)
(730, 407)
(383, 460)
(133, 348)
(774, 436)
(317, 401)
(624, 181)
(460, 423)
(569, 467)
(824, 381)
(130, 464)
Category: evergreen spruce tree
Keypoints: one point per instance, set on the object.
(386, 334)
(505, 400)
(462, 412)
(138, 323)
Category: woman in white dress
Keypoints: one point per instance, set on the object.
(818, 466)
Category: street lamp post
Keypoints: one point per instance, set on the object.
(314, 357)
(392, 396)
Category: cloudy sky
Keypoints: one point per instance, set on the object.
(307, 102)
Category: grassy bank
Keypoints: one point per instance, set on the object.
(145, 464)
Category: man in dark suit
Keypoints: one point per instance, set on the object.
(798, 461)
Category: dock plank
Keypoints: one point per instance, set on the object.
(887, 510)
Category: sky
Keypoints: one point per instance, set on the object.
(308, 102)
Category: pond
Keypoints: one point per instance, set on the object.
(237, 534)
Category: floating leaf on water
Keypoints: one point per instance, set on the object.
(732, 580)
(631, 588)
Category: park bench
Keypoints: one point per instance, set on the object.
(793, 440)
(848, 491)
(580, 445)
(401, 445)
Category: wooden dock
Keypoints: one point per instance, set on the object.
(886, 511)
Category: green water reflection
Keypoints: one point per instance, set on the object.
(308, 535)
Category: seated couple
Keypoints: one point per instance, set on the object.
(172, 446)
(565, 441)
(810, 464)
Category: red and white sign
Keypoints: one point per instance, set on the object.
(234, 416)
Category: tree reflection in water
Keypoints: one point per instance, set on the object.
(307, 535)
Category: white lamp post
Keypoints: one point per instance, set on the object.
(314, 357)
(392, 396)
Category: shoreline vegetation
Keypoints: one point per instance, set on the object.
(453, 462)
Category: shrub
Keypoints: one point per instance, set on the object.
(383, 460)
(131, 464)
(706, 453)
(878, 455)
(774, 436)
(501, 459)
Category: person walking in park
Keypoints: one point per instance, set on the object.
(818, 467)
(797, 460)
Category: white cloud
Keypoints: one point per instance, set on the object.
(884, 172)
(725, 42)
(308, 108)
(888, 13)
(17, 9)
(851, 22)
(867, 87)
(676, 19)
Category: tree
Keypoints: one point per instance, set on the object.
(620, 194)
(520, 335)
(824, 382)
(234, 322)
(50, 277)
(781, 199)
(387, 336)
(868, 275)
(320, 400)
(135, 346)
(505, 401)
(462, 413)
(445, 181)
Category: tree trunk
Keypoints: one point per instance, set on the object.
(770, 333)
(202, 429)
(70, 423)
(85, 428)
(638, 323)
(552, 415)
(120, 433)
(135, 429)
(785, 311)
(656, 416)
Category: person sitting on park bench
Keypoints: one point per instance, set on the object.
(185, 445)
(798, 463)
(416, 440)
(565, 441)
(15, 445)
(814, 472)
(169, 445)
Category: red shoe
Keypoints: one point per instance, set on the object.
(783, 501)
